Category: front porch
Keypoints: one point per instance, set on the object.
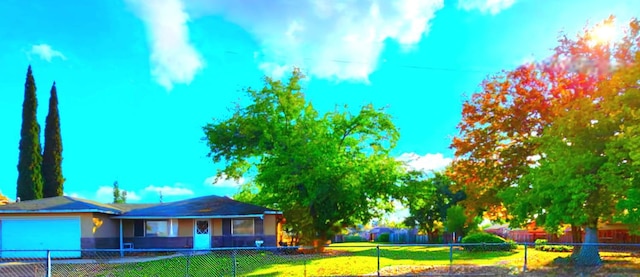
(198, 233)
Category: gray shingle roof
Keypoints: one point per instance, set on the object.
(206, 206)
(59, 204)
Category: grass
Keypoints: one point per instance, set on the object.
(345, 259)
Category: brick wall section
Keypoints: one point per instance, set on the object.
(100, 243)
(161, 242)
(243, 241)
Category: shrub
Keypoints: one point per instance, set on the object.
(556, 248)
(539, 244)
(384, 237)
(354, 238)
(486, 242)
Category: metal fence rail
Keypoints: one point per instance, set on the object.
(337, 260)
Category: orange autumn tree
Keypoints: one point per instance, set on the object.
(3, 199)
(496, 145)
(492, 147)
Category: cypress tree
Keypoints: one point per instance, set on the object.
(52, 156)
(30, 159)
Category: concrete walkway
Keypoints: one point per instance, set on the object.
(117, 260)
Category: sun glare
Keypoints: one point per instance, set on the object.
(603, 33)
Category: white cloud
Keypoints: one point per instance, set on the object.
(485, 6)
(73, 194)
(131, 195)
(105, 194)
(174, 59)
(169, 191)
(328, 39)
(400, 212)
(45, 52)
(275, 70)
(427, 162)
(223, 182)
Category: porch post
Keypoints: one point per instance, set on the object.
(121, 240)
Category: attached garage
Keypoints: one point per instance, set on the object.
(31, 237)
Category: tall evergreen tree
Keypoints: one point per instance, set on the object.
(119, 196)
(30, 159)
(52, 156)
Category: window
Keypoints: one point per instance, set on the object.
(161, 228)
(242, 227)
(138, 228)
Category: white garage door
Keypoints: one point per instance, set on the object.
(24, 235)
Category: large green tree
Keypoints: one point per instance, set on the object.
(428, 200)
(586, 172)
(323, 172)
(621, 108)
(52, 156)
(30, 159)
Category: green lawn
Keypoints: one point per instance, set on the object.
(343, 259)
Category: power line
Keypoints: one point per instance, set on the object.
(387, 63)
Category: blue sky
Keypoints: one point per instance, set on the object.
(138, 79)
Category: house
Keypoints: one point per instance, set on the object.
(607, 233)
(501, 230)
(375, 232)
(73, 224)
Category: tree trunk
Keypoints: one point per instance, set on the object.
(431, 236)
(576, 239)
(589, 254)
(319, 243)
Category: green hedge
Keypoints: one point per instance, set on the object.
(487, 242)
(355, 238)
(384, 237)
(541, 244)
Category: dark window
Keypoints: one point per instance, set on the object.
(242, 227)
(138, 228)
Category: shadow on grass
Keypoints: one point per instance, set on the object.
(351, 260)
(336, 261)
(426, 253)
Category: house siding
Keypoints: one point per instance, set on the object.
(185, 227)
(270, 224)
(106, 228)
(216, 223)
(161, 242)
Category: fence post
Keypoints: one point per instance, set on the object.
(189, 253)
(304, 260)
(233, 260)
(378, 248)
(48, 263)
(450, 257)
(524, 267)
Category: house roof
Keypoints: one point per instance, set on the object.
(59, 204)
(497, 227)
(125, 207)
(207, 206)
(380, 230)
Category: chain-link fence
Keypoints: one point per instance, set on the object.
(340, 259)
